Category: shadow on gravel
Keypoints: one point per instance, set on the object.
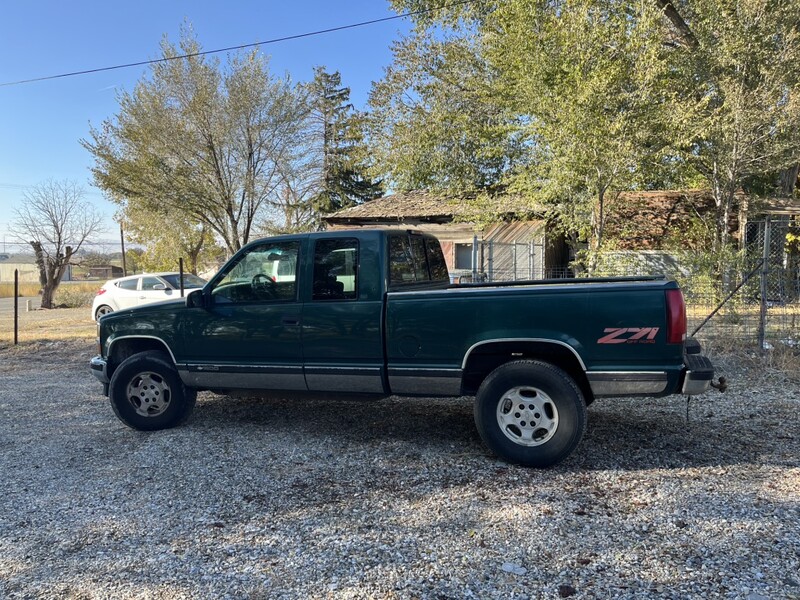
(621, 434)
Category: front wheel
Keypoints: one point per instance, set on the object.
(146, 392)
(530, 413)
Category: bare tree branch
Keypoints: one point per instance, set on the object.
(55, 221)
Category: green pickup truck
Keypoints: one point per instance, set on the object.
(374, 312)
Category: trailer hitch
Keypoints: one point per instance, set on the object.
(721, 385)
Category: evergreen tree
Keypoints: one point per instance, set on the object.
(343, 179)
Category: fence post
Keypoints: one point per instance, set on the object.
(491, 260)
(122, 245)
(530, 260)
(180, 265)
(474, 259)
(514, 258)
(16, 306)
(762, 322)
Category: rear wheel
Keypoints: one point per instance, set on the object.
(531, 413)
(103, 309)
(146, 392)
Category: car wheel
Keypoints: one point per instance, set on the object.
(103, 309)
(530, 413)
(146, 392)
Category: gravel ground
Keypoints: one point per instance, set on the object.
(274, 498)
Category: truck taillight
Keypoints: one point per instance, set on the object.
(676, 317)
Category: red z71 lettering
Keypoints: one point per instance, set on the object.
(628, 335)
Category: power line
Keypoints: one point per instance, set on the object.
(243, 46)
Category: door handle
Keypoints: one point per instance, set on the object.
(291, 321)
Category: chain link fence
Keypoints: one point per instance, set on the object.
(755, 301)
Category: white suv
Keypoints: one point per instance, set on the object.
(127, 292)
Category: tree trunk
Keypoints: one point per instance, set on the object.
(787, 180)
(50, 272)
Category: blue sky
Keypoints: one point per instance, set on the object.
(41, 122)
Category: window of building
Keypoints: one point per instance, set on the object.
(464, 256)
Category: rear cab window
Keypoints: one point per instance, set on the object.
(416, 260)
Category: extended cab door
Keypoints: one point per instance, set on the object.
(342, 315)
(247, 336)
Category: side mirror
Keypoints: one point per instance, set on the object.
(159, 287)
(195, 299)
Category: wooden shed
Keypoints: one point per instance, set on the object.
(501, 238)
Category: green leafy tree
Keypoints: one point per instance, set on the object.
(343, 179)
(739, 108)
(707, 90)
(168, 236)
(56, 221)
(435, 122)
(201, 139)
(590, 78)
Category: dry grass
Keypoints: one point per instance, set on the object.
(32, 289)
(60, 324)
(25, 289)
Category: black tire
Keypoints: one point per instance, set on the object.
(547, 417)
(146, 392)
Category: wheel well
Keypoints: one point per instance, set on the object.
(122, 349)
(487, 357)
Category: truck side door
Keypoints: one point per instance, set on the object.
(342, 346)
(248, 333)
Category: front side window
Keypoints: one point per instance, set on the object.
(189, 281)
(264, 273)
(336, 269)
(150, 283)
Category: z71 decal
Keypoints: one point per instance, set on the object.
(629, 335)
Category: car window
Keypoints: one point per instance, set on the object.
(436, 261)
(128, 284)
(335, 269)
(401, 261)
(265, 272)
(189, 280)
(420, 261)
(149, 283)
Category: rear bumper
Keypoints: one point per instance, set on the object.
(697, 376)
(694, 376)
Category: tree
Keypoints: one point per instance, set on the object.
(169, 236)
(56, 222)
(435, 122)
(696, 86)
(337, 129)
(589, 77)
(740, 77)
(200, 139)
